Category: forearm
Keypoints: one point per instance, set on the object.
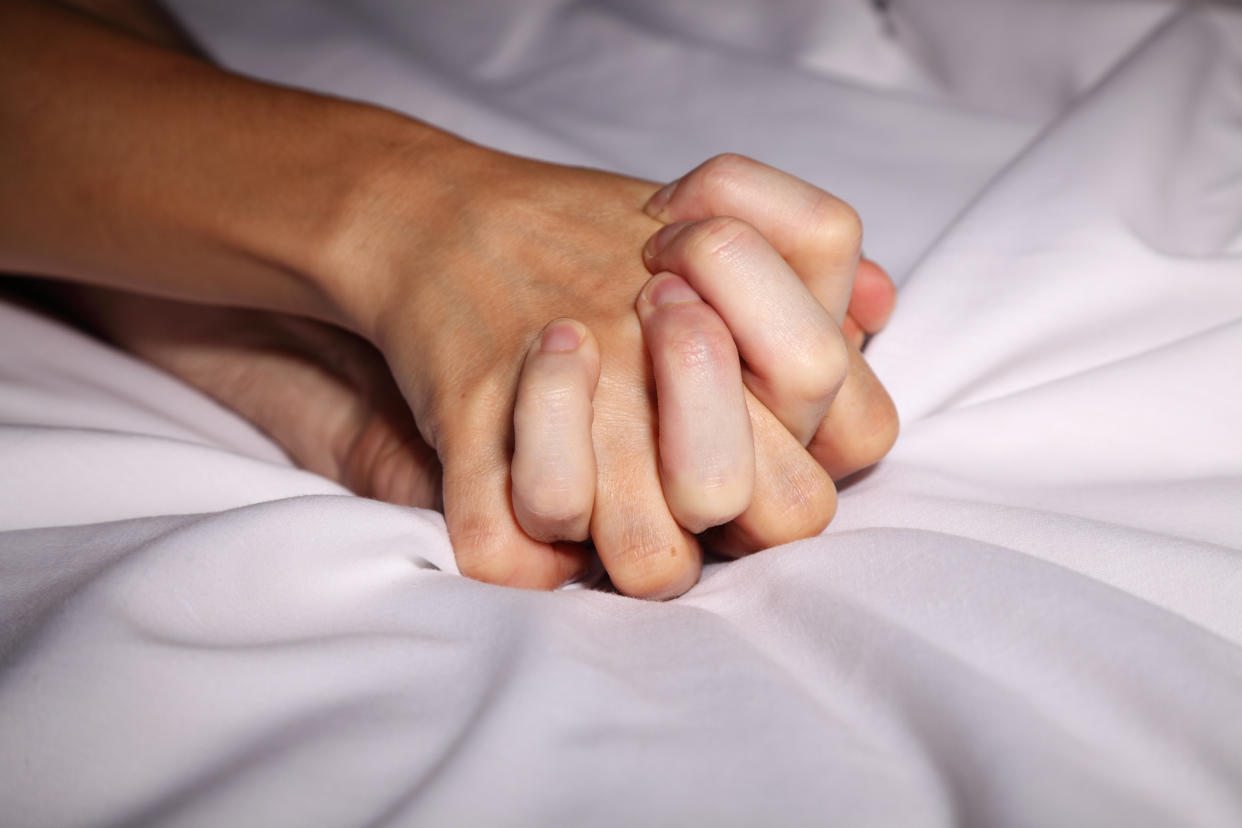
(130, 165)
(145, 18)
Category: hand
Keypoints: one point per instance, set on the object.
(702, 412)
(773, 296)
(464, 289)
(328, 399)
(450, 258)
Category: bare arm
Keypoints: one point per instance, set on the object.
(167, 175)
(136, 167)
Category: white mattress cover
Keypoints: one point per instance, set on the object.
(1029, 614)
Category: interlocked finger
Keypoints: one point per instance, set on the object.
(553, 458)
(795, 357)
(860, 427)
(794, 496)
(705, 443)
(488, 543)
(817, 233)
(820, 238)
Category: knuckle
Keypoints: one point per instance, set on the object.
(724, 171)
(808, 505)
(481, 554)
(872, 439)
(702, 346)
(487, 550)
(730, 160)
(885, 425)
(650, 566)
(817, 372)
(837, 223)
(718, 238)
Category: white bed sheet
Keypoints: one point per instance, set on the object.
(1029, 614)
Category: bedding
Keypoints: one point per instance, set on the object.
(1030, 613)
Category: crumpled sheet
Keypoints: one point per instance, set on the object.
(1029, 614)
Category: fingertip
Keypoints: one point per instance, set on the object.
(661, 240)
(663, 289)
(561, 339)
(657, 206)
(550, 514)
(562, 336)
(699, 505)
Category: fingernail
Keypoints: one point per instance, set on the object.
(657, 203)
(670, 289)
(661, 238)
(561, 336)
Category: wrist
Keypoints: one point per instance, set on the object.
(392, 194)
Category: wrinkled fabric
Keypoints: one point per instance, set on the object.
(1028, 614)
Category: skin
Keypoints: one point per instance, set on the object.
(324, 395)
(301, 205)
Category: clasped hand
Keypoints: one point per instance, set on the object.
(709, 386)
(745, 402)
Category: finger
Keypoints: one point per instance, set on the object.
(861, 426)
(873, 298)
(488, 542)
(853, 333)
(795, 355)
(646, 553)
(707, 463)
(553, 458)
(817, 233)
(794, 497)
(820, 236)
